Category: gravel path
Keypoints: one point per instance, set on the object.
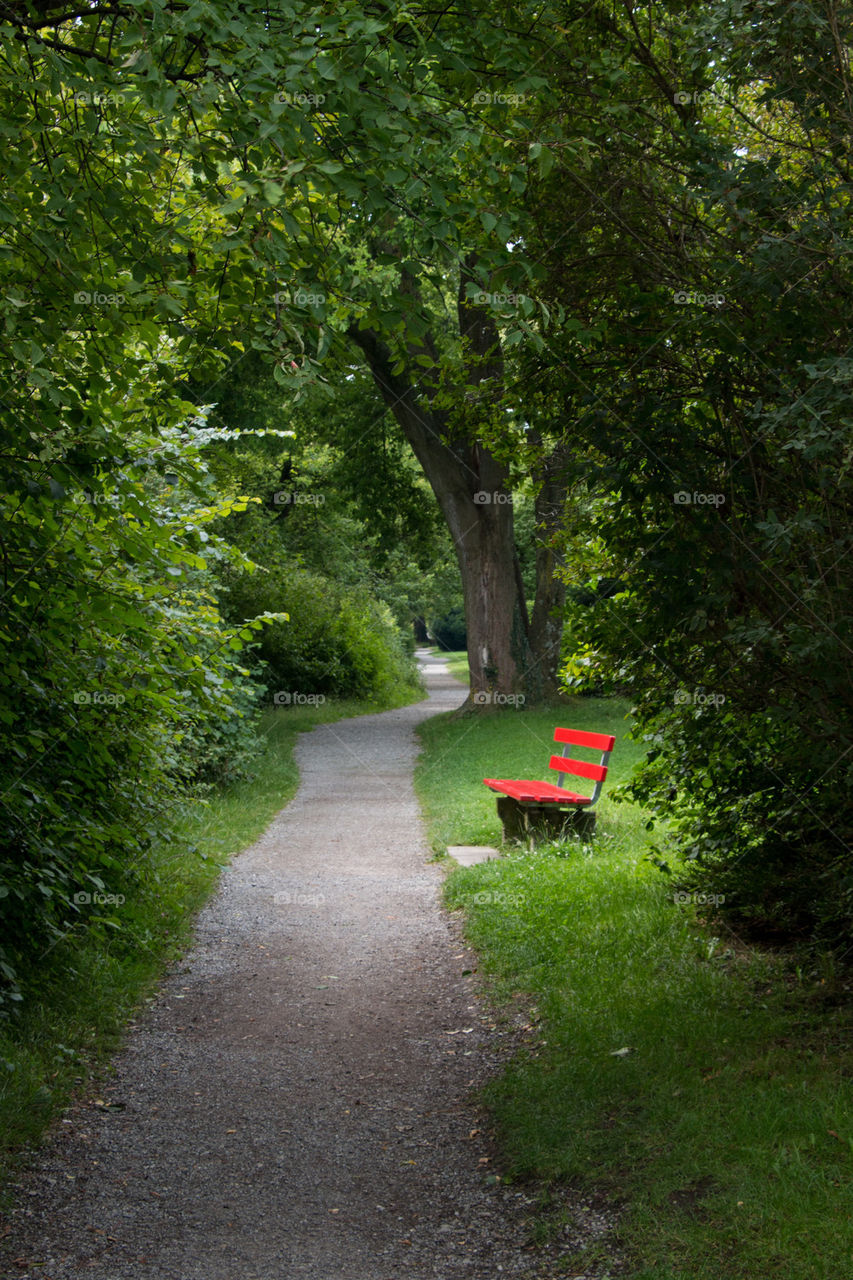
(295, 1104)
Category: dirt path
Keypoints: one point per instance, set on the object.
(295, 1104)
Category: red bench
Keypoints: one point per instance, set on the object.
(527, 807)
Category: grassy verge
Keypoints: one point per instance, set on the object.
(91, 984)
(701, 1083)
(457, 661)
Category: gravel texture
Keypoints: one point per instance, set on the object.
(296, 1103)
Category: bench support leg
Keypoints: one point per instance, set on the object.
(513, 818)
(526, 822)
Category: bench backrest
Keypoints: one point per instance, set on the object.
(603, 742)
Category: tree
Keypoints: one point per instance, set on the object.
(473, 490)
(703, 379)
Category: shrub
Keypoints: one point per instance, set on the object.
(119, 681)
(449, 631)
(337, 642)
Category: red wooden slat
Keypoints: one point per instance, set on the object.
(580, 738)
(563, 764)
(530, 792)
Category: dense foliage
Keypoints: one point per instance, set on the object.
(131, 271)
(707, 383)
(119, 680)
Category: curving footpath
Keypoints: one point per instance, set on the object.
(294, 1105)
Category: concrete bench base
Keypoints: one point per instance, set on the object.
(468, 855)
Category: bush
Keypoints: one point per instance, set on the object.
(449, 630)
(760, 823)
(582, 670)
(222, 749)
(119, 682)
(337, 642)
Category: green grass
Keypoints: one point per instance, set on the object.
(460, 751)
(89, 985)
(457, 661)
(725, 1131)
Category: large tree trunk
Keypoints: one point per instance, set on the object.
(495, 610)
(472, 489)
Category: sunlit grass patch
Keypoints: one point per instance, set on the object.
(700, 1083)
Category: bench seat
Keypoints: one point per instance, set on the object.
(528, 807)
(530, 792)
